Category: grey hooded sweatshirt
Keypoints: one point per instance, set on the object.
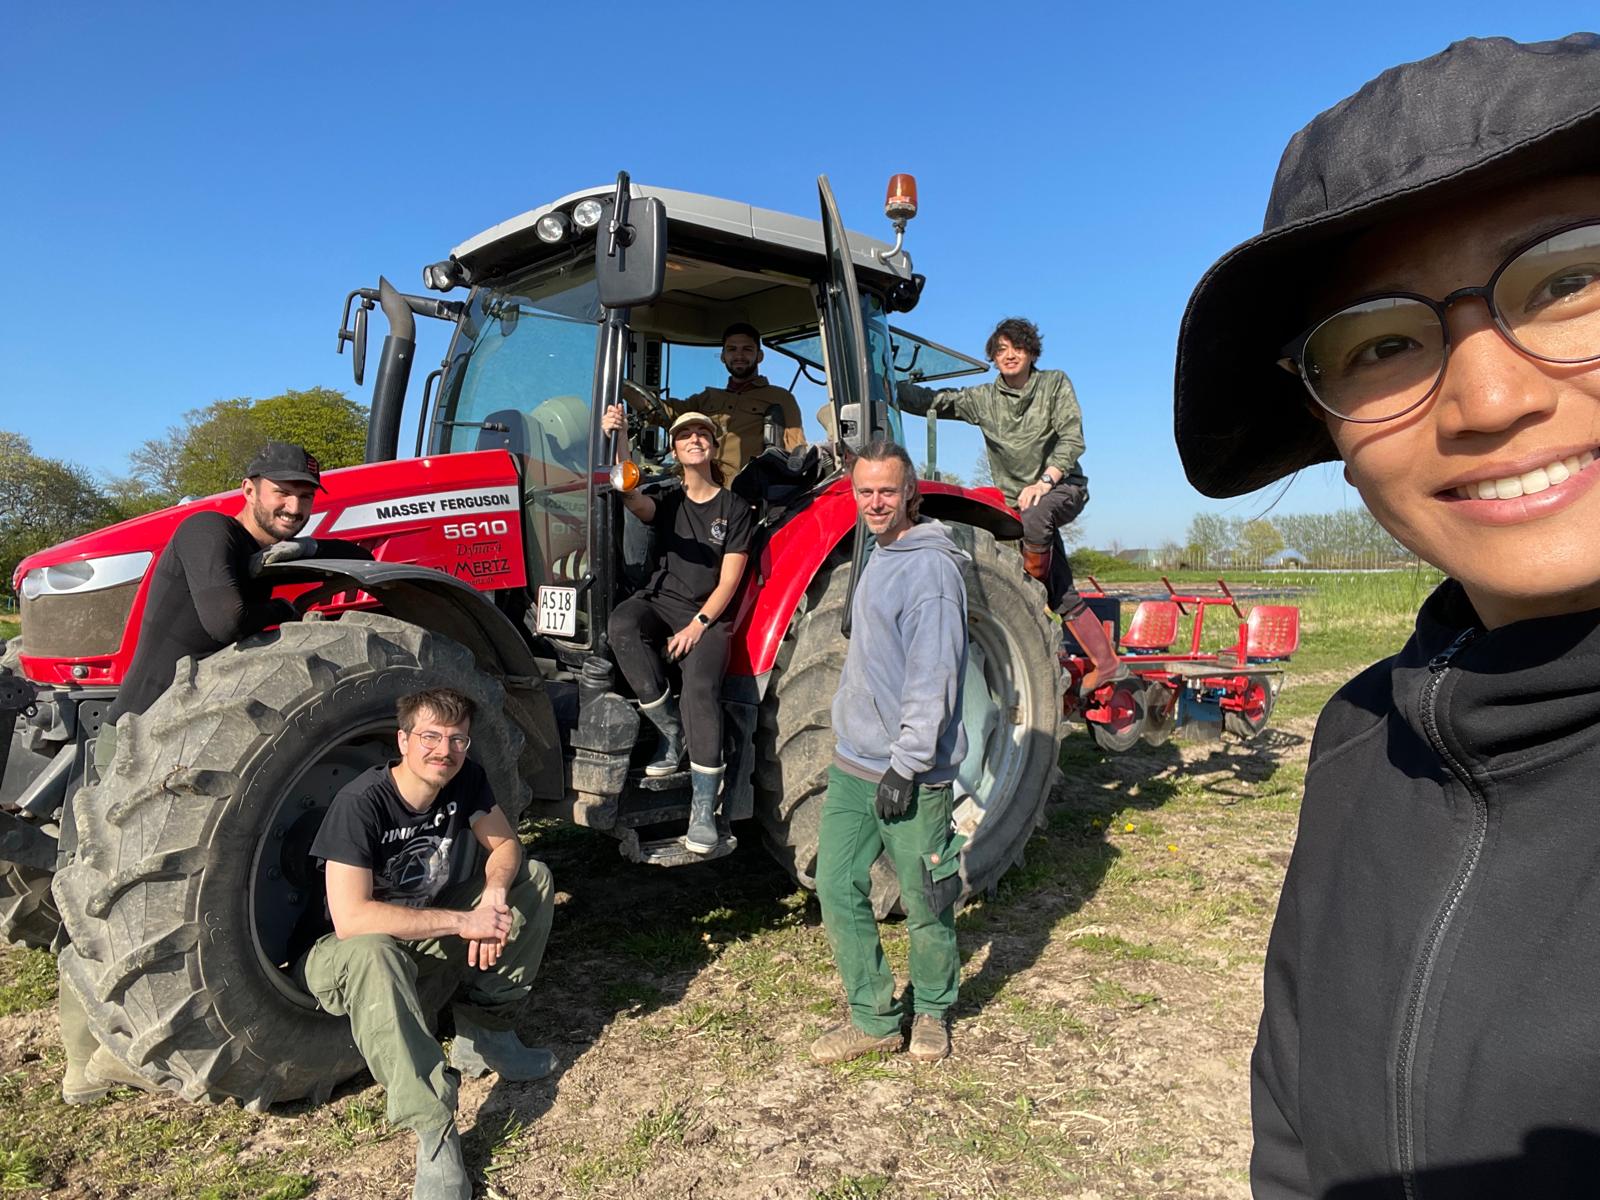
(899, 699)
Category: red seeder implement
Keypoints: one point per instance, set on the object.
(1162, 690)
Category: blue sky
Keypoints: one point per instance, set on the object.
(191, 190)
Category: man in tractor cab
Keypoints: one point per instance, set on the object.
(1033, 429)
(202, 598)
(410, 910)
(898, 741)
(747, 406)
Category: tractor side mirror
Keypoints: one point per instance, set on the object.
(356, 335)
(630, 253)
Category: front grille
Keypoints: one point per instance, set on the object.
(82, 625)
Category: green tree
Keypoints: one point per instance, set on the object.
(1258, 540)
(209, 451)
(42, 501)
(1209, 537)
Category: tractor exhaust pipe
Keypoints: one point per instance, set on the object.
(394, 374)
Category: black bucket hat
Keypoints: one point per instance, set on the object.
(1481, 113)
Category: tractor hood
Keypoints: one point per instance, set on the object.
(83, 600)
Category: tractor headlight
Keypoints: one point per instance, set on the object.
(86, 575)
(553, 228)
(587, 213)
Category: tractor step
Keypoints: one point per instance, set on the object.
(659, 783)
(670, 851)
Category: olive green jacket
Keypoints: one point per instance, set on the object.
(1026, 431)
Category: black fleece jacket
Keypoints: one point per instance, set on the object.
(1432, 996)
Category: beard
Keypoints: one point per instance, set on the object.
(266, 519)
(742, 373)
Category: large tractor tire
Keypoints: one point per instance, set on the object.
(1011, 706)
(193, 889)
(28, 916)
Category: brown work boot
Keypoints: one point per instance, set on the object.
(844, 1042)
(930, 1038)
(1090, 634)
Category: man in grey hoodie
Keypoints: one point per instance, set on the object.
(897, 725)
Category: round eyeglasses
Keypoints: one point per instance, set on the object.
(1383, 356)
(433, 739)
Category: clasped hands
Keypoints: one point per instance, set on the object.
(486, 929)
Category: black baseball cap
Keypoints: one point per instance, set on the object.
(1482, 113)
(284, 461)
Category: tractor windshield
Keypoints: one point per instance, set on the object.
(521, 378)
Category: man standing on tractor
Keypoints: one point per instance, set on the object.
(202, 598)
(899, 738)
(747, 407)
(407, 908)
(1033, 430)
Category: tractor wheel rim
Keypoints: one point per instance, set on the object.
(996, 693)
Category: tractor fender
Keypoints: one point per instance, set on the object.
(448, 606)
(796, 551)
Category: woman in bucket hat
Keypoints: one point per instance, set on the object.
(1424, 306)
(703, 531)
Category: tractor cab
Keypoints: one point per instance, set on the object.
(538, 353)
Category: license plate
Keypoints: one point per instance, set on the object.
(558, 611)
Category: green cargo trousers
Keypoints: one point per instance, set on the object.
(850, 840)
(387, 986)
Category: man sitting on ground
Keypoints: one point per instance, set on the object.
(405, 908)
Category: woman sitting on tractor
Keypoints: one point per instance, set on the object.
(704, 539)
(1424, 307)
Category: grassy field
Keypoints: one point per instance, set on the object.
(1109, 999)
(9, 626)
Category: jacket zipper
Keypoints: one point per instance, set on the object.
(1438, 666)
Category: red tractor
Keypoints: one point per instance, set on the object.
(499, 551)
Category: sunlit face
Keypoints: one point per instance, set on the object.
(1011, 361)
(882, 496)
(1498, 415)
(441, 762)
(741, 354)
(694, 444)
(279, 510)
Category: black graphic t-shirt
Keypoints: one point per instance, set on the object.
(693, 539)
(413, 856)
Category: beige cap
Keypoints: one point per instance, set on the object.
(694, 418)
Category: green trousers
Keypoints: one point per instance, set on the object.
(850, 841)
(387, 987)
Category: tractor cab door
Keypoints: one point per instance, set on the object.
(857, 409)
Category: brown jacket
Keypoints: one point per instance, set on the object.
(741, 418)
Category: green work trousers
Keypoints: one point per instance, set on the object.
(387, 987)
(850, 841)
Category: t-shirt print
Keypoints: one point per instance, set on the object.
(419, 870)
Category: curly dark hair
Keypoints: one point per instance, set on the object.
(1020, 332)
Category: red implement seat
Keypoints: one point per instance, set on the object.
(1153, 629)
(1272, 632)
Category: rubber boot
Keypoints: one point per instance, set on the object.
(702, 837)
(80, 1045)
(668, 759)
(477, 1051)
(1036, 561)
(92, 1070)
(1104, 665)
(443, 1174)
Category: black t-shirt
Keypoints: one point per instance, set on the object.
(201, 599)
(412, 856)
(693, 539)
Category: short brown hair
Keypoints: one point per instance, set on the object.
(447, 706)
(882, 450)
(1020, 332)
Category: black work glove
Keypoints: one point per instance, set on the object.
(894, 795)
(283, 552)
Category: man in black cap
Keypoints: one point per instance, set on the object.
(202, 597)
(1424, 306)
